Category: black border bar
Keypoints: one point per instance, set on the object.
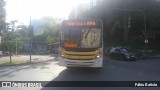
(84, 83)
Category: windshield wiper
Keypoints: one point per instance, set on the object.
(87, 33)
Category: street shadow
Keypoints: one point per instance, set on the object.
(113, 70)
(91, 74)
(78, 74)
(74, 74)
(82, 73)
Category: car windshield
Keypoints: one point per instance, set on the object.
(127, 50)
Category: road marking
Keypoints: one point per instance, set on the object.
(25, 66)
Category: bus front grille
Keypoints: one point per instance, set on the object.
(79, 55)
(79, 63)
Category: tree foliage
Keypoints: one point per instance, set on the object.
(124, 21)
(2, 16)
(11, 34)
(22, 32)
(50, 31)
(116, 19)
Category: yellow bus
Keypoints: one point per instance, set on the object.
(81, 43)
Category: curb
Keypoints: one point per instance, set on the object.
(154, 57)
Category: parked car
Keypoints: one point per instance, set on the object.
(1, 52)
(6, 53)
(122, 53)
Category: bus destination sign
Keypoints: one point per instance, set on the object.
(91, 23)
(80, 23)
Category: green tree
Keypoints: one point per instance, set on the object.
(50, 30)
(116, 25)
(22, 32)
(2, 17)
(10, 36)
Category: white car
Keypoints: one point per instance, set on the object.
(1, 52)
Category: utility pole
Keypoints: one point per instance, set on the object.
(0, 46)
(30, 39)
(16, 46)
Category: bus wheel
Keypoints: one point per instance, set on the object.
(69, 67)
(99, 68)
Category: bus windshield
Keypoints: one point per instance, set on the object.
(82, 37)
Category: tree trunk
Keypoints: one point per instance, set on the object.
(125, 27)
(114, 28)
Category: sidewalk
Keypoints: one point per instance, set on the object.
(154, 57)
(26, 58)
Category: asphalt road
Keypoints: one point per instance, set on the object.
(113, 70)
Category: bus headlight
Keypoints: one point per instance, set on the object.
(62, 55)
(99, 56)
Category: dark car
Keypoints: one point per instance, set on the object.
(122, 53)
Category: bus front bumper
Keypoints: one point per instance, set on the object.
(80, 63)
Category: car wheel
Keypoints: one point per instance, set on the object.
(123, 57)
(134, 59)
